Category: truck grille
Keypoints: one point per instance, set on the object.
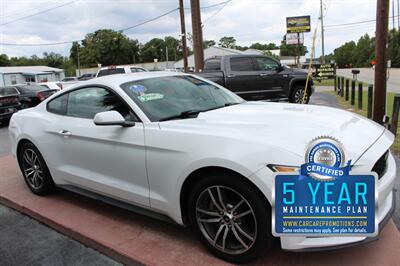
(381, 165)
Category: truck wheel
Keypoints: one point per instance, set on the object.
(230, 217)
(297, 95)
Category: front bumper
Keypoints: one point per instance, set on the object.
(386, 206)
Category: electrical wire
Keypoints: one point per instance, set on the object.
(354, 23)
(38, 13)
(120, 30)
(217, 12)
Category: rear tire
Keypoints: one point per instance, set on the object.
(297, 95)
(34, 169)
(235, 222)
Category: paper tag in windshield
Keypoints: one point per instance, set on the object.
(150, 97)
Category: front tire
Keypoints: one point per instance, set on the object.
(297, 95)
(34, 169)
(231, 217)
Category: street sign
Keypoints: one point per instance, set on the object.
(294, 38)
(325, 71)
(298, 24)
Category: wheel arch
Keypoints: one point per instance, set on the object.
(299, 81)
(197, 174)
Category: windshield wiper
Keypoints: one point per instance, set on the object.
(230, 104)
(185, 114)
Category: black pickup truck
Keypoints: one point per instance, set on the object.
(256, 77)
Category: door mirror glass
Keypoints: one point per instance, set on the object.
(111, 118)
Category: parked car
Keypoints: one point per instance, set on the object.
(66, 79)
(111, 70)
(87, 76)
(9, 103)
(192, 152)
(32, 94)
(54, 85)
(256, 77)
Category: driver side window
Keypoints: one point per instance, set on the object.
(87, 102)
(266, 64)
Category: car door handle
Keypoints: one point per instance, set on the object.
(65, 133)
(263, 74)
(231, 75)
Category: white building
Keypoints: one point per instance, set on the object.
(23, 74)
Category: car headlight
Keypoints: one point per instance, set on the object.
(283, 168)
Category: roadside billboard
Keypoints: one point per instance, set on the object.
(294, 38)
(298, 24)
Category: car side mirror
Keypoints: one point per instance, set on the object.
(111, 118)
(280, 68)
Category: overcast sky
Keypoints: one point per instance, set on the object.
(248, 21)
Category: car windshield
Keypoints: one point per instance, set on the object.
(171, 97)
(30, 88)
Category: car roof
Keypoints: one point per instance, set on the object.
(117, 79)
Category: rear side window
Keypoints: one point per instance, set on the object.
(242, 64)
(8, 91)
(111, 71)
(212, 64)
(58, 105)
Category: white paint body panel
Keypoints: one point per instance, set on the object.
(147, 164)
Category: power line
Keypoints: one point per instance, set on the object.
(218, 11)
(67, 42)
(150, 20)
(353, 23)
(38, 13)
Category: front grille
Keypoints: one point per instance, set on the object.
(381, 165)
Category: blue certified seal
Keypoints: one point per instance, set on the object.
(325, 160)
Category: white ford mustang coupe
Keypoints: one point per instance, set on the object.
(179, 147)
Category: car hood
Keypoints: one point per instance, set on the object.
(285, 126)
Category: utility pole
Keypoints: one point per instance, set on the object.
(166, 55)
(322, 32)
(197, 35)
(398, 14)
(382, 21)
(393, 17)
(79, 63)
(183, 33)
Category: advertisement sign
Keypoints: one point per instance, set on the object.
(298, 24)
(325, 71)
(325, 198)
(294, 38)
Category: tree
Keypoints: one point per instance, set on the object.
(227, 42)
(52, 60)
(153, 49)
(107, 47)
(291, 49)
(270, 54)
(4, 61)
(364, 52)
(344, 55)
(263, 47)
(208, 43)
(394, 48)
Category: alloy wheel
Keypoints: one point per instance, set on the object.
(32, 168)
(299, 96)
(226, 219)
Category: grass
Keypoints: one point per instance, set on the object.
(326, 82)
(354, 108)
